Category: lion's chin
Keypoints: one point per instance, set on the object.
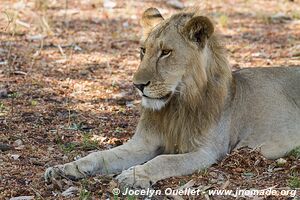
(154, 104)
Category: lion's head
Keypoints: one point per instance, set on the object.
(184, 77)
(169, 50)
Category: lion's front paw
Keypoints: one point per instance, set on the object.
(52, 173)
(69, 170)
(135, 177)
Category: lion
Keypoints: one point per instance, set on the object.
(194, 110)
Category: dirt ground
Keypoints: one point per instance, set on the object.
(66, 90)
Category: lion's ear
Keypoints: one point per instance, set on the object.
(199, 29)
(151, 17)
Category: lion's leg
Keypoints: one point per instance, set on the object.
(136, 151)
(165, 166)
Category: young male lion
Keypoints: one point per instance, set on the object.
(194, 109)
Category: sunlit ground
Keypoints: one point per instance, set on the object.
(66, 90)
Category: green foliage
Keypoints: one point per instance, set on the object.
(84, 193)
(203, 172)
(223, 20)
(115, 196)
(87, 143)
(295, 15)
(182, 183)
(295, 153)
(34, 102)
(68, 147)
(130, 197)
(118, 130)
(294, 181)
(2, 107)
(14, 95)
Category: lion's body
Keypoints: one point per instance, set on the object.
(195, 110)
(263, 111)
(266, 110)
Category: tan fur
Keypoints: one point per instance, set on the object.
(194, 110)
(190, 113)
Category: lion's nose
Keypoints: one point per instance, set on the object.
(141, 86)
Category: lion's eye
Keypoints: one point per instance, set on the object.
(165, 53)
(143, 51)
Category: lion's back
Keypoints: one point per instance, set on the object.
(267, 108)
(281, 80)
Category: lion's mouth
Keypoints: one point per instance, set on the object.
(166, 97)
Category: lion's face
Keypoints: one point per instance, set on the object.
(165, 61)
(161, 69)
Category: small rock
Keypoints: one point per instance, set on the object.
(71, 191)
(20, 147)
(35, 37)
(77, 48)
(3, 62)
(77, 157)
(22, 198)
(280, 17)
(50, 149)
(18, 142)
(175, 4)
(125, 24)
(133, 17)
(3, 93)
(259, 55)
(281, 162)
(5, 147)
(84, 72)
(129, 104)
(15, 156)
(109, 4)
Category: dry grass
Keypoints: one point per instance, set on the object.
(67, 73)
